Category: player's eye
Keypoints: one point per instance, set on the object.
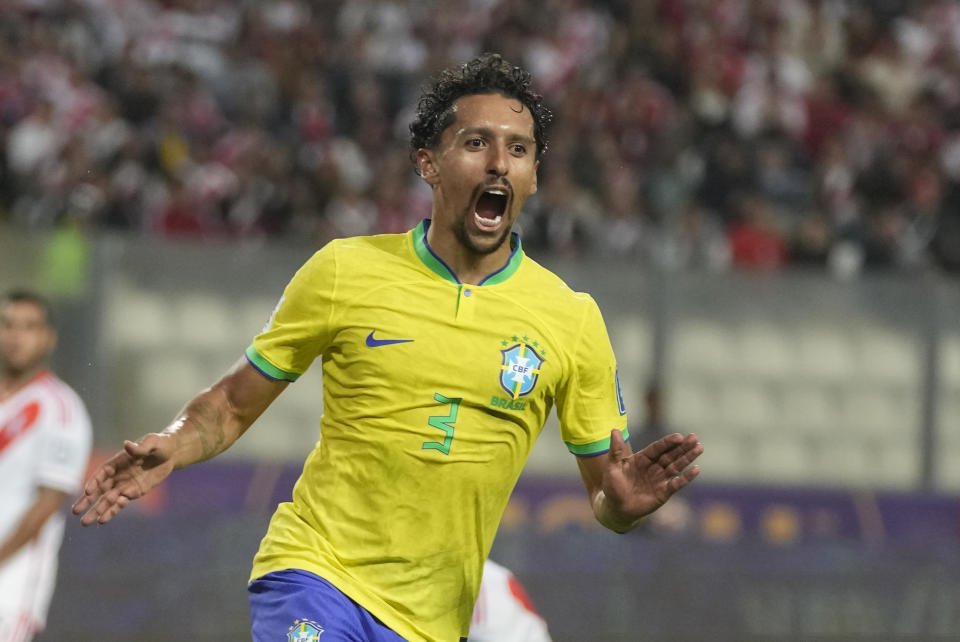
(518, 149)
(474, 142)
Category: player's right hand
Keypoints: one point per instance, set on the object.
(127, 475)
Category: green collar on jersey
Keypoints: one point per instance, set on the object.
(436, 264)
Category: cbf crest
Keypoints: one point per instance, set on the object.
(304, 631)
(521, 364)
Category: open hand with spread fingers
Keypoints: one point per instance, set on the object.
(625, 486)
(129, 474)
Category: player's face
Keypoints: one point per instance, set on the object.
(26, 337)
(483, 170)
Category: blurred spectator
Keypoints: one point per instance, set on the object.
(756, 240)
(727, 173)
(252, 119)
(653, 424)
(698, 241)
(780, 178)
(562, 215)
(33, 143)
(882, 238)
(811, 242)
(680, 518)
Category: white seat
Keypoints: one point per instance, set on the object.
(783, 459)
(137, 318)
(948, 420)
(766, 350)
(880, 410)
(811, 409)
(947, 461)
(748, 406)
(950, 360)
(631, 339)
(205, 322)
(171, 379)
(888, 356)
(691, 404)
(824, 354)
(724, 457)
(700, 346)
(841, 461)
(897, 464)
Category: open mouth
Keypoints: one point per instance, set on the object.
(491, 206)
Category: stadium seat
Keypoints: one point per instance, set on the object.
(948, 481)
(897, 464)
(947, 451)
(876, 410)
(950, 360)
(782, 458)
(887, 355)
(692, 403)
(205, 321)
(631, 339)
(136, 318)
(170, 379)
(841, 460)
(766, 350)
(702, 346)
(948, 414)
(824, 354)
(726, 457)
(748, 407)
(947, 462)
(948, 424)
(810, 408)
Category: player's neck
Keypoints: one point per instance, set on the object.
(12, 381)
(468, 265)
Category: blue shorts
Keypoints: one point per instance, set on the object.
(298, 606)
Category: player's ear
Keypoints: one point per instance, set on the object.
(427, 164)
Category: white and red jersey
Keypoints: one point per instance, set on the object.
(44, 442)
(504, 612)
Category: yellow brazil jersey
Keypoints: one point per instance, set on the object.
(434, 392)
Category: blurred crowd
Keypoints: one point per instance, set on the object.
(707, 133)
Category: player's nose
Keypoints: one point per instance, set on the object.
(497, 162)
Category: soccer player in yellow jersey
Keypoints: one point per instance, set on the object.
(443, 351)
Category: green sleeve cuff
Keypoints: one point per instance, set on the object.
(268, 369)
(594, 448)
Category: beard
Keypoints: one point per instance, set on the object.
(21, 368)
(460, 228)
(460, 231)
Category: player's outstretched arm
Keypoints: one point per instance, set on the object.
(207, 426)
(624, 486)
(47, 501)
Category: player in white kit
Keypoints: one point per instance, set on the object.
(504, 612)
(44, 447)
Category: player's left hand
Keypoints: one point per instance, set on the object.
(128, 475)
(636, 484)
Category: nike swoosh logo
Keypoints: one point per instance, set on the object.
(376, 343)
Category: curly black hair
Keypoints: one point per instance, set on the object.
(485, 74)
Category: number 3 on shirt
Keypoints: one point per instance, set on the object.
(444, 423)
